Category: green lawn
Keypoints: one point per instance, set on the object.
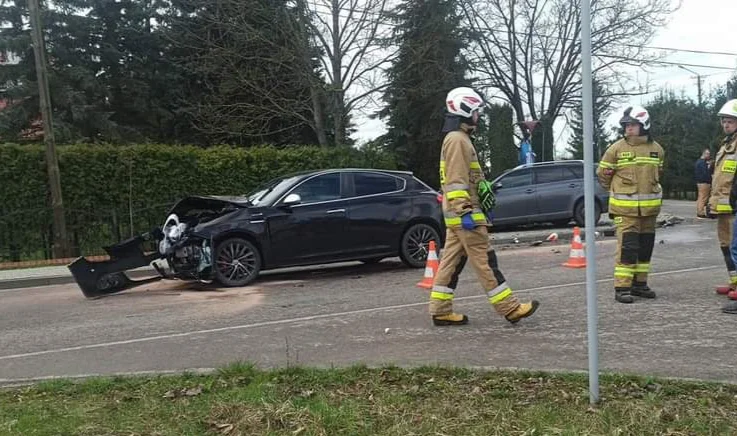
(242, 400)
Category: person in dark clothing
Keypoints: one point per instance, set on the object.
(702, 175)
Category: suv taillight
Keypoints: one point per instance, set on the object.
(440, 198)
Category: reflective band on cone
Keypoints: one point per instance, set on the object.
(431, 267)
(577, 256)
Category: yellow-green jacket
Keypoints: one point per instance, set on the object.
(460, 173)
(631, 169)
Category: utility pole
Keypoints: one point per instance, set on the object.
(698, 81)
(61, 241)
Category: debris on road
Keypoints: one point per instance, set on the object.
(667, 219)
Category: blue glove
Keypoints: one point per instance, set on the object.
(467, 222)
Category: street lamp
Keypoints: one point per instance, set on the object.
(698, 80)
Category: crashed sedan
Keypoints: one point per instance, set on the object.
(308, 218)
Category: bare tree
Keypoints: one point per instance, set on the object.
(349, 33)
(530, 50)
(256, 67)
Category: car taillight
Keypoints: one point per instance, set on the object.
(440, 198)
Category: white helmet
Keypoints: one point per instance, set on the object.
(729, 109)
(636, 114)
(463, 101)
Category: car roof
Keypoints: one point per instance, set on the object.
(545, 164)
(307, 173)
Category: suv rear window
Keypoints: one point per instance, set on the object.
(558, 173)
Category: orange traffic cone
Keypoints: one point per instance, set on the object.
(431, 267)
(577, 257)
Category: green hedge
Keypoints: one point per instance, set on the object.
(105, 187)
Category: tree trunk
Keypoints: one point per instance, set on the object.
(318, 116)
(338, 110)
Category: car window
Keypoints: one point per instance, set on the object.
(321, 188)
(553, 174)
(517, 179)
(577, 170)
(371, 183)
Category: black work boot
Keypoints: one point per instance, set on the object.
(623, 295)
(640, 289)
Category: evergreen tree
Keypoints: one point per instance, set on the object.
(602, 109)
(495, 140)
(429, 64)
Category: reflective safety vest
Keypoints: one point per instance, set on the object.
(460, 174)
(631, 169)
(724, 169)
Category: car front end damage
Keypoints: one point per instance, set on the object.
(183, 250)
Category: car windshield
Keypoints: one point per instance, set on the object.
(267, 190)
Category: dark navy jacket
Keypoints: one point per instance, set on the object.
(702, 173)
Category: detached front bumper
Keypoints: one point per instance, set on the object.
(100, 278)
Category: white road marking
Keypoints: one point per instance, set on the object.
(307, 318)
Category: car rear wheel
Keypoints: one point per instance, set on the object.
(237, 262)
(580, 216)
(415, 243)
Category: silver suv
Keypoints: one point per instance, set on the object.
(545, 192)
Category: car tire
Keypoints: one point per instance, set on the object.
(248, 266)
(579, 214)
(414, 245)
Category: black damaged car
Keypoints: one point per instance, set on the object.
(307, 218)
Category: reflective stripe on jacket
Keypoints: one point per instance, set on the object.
(725, 165)
(460, 173)
(631, 169)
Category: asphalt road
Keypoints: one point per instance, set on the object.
(340, 316)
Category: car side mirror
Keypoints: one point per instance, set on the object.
(497, 186)
(291, 200)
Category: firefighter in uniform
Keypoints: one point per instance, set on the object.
(631, 169)
(724, 169)
(467, 197)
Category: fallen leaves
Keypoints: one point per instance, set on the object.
(184, 392)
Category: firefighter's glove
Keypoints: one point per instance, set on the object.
(467, 222)
(486, 196)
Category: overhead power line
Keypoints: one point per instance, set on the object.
(377, 15)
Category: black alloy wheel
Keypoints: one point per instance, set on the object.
(237, 262)
(415, 244)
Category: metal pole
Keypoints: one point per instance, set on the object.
(698, 81)
(61, 242)
(588, 171)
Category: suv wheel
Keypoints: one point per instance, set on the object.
(579, 213)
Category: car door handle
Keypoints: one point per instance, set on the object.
(529, 191)
(336, 211)
(573, 185)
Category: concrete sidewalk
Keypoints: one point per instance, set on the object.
(59, 274)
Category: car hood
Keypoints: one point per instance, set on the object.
(212, 204)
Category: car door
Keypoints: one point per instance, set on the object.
(376, 212)
(516, 200)
(557, 188)
(313, 230)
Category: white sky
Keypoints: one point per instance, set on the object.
(706, 25)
